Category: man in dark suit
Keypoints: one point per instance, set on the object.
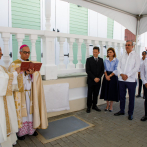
(94, 70)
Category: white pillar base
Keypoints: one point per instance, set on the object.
(71, 66)
(50, 72)
(79, 66)
(6, 60)
(62, 66)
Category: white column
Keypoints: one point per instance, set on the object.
(48, 14)
(33, 39)
(79, 57)
(109, 44)
(87, 42)
(102, 43)
(19, 38)
(124, 47)
(71, 65)
(115, 46)
(6, 57)
(139, 48)
(119, 50)
(61, 55)
(95, 43)
(49, 67)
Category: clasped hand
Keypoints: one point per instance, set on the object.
(124, 77)
(145, 85)
(96, 80)
(108, 78)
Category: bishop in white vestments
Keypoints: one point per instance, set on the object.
(29, 98)
(8, 116)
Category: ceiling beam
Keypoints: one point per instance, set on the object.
(144, 15)
(112, 8)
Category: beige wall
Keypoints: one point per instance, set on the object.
(77, 104)
(74, 82)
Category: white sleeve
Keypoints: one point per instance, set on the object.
(3, 82)
(139, 68)
(142, 71)
(141, 62)
(136, 68)
(15, 74)
(119, 71)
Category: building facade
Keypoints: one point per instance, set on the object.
(65, 18)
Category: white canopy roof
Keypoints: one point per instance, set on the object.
(124, 12)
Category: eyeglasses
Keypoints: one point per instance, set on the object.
(26, 52)
(1, 54)
(128, 45)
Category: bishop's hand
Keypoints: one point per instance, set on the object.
(30, 71)
(18, 69)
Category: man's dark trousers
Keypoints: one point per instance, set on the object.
(123, 86)
(93, 91)
(145, 103)
(140, 86)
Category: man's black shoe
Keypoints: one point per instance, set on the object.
(21, 138)
(96, 108)
(35, 134)
(88, 110)
(119, 113)
(144, 118)
(138, 96)
(130, 117)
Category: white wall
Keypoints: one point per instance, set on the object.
(92, 23)
(43, 19)
(97, 26)
(4, 7)
(102, 26)
(118, 31)
(142, 42)
(59, 20)
(62, 24)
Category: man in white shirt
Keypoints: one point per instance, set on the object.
(144, 80)
(128, 67)
(139, 77)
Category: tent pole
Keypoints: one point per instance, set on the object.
(137, 32)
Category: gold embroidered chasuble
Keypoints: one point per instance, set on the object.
(37, 99)
(8, 93)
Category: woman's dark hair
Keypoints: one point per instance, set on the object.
(113, 50)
